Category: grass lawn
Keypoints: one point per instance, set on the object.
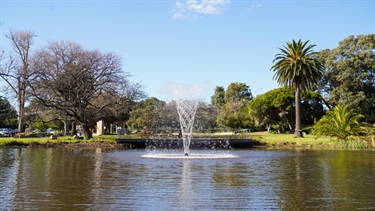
(15, 141)
(288, 140)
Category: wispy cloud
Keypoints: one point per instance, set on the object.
(188, 8)
(255, 6)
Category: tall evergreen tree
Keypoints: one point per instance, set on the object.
(7, 113)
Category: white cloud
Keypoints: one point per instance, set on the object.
(254, 6)
(195, 7)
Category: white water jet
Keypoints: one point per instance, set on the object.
(187, 98)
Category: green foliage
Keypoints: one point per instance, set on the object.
(312, 105)
(144, 113)
(271, 107)
(233, 113)
(154, 114)
(205, 117)
(218, 99)
(277, 107)
(11, 122)
(340, 123)
(40, 126)
(349, 76)
(238, 92)
(7, 113)
(297, 66)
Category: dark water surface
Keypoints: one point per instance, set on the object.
(96, 179)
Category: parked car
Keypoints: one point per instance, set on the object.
(4, 132)
(51, 131)
(11, 132)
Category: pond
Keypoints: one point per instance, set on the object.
(98, 179)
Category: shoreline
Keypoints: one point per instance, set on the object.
(261, 141)
(93, 144)
(113, 145)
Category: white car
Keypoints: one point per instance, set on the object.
(4, 132)
(51, 131)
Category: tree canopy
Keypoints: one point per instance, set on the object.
(276, 107)
(233, 112)
(81, 83)
(349, 75)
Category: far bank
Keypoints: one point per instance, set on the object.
(261, 139)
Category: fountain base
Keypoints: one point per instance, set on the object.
(192, 156)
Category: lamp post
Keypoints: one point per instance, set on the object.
(255, 92)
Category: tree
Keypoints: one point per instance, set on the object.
(147, 114)
(218, 99)
(76, 81)
(17, 73)
(233, 115)
(297, 66)
(349, 76)
(276, 107)
(271, 107)
(205, 118)
(233, 112)
(7, 113)
(238, 92)
(340, 123)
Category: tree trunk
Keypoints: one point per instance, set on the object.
(74, 130)
(86, 130)
(21, 105)
(66, 127)
(20, 117)
(268, 127)
(298, 131)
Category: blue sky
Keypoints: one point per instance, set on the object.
(190, 41)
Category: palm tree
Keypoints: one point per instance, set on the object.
(340, 123)
(297, 66)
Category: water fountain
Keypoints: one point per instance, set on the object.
(187, 100)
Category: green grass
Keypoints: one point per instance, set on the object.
(288, 140)
(15, 141)
(311, 141)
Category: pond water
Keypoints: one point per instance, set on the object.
(97, 179)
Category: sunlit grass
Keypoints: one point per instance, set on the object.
(311, 141)
(279, 140)
(16, 141)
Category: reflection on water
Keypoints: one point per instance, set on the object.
(96, 179)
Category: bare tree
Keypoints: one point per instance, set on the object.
(16, 71)
(122, 102)
(78, 82)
